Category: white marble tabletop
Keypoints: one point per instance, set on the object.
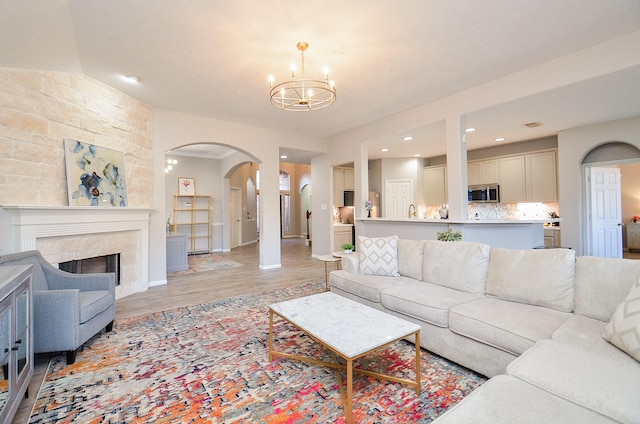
(348, 327)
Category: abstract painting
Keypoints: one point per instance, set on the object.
(95, 175)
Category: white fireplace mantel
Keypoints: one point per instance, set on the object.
(21, 226)
(27, 223)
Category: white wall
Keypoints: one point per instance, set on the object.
(573, 145)
(173, 129)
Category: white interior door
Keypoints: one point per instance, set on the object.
(606, 213)
(234, 217)
(399, 195)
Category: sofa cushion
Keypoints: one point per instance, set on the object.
(602, 283)
(586, 333)
(623, 331)
(507, 400)
(366, 286)
(585, 378)
(378, 255)
(510, 326)
(424, 301)
(93, 302)
(542, 277)
(459, 265)
(410, 255)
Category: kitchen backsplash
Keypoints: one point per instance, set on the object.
(502, 211)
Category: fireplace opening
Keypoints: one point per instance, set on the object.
(106, 263)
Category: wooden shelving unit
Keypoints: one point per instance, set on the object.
(192, 215)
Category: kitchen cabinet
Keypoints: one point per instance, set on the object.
(435, 185)
(342, 234)
(512, 179)
(528, 178)
(343, 179)
(349, 179)
(633, 235)
(192, 216)
(482, 172)
(552, 237)
(541, 177)
(16, 337)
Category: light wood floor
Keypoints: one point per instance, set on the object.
(298, 267)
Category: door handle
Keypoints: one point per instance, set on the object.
(619, 224)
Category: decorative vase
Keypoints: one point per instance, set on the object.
(444, 212)
(347, 251)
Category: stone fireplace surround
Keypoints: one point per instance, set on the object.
(63, 233)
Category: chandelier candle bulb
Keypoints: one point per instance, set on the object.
(302, 94)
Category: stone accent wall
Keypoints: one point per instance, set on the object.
(40, 109)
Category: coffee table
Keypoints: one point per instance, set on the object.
(349, 330)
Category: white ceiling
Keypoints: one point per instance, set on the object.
(212, 58)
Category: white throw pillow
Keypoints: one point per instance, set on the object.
(623, 331)
(378, 256)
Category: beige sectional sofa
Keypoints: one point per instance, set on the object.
(533, 320)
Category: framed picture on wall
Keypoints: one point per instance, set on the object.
(186, 186)
(95, 175)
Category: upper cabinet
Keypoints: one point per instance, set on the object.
(435, 185)
(343, 179)
(542, 181)
(528, 178)
(349, 179)
(512, 179)
(483, 172)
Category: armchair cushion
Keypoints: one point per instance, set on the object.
(92, 303)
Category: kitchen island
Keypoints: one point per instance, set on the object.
(505, 233)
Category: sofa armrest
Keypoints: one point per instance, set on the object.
(351, 263)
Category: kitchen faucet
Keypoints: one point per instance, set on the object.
(412, 215)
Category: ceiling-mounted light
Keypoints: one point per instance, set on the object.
(407, 138)
(300, 94)
(417, 155)
(471, 129)
(131, 79)
(384, 149)
(499, 139)
(283, 156)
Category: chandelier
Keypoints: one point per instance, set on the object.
(300, 94)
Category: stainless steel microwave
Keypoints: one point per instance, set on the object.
(484, 193)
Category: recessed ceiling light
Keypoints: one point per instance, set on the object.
(384, 149)
(472, 129)
(499, 139)
(417, 155)
(407, 138)
(131, 79)
(283, 156)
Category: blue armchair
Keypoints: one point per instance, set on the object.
(68, 309)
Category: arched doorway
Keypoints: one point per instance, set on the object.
(612, 196)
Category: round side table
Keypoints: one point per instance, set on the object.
(326, 259)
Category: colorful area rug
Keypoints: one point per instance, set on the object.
(209, 364)
(207, 262)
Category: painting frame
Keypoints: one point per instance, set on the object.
(95, 175)
(186, 186)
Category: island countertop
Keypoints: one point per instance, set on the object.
(463, 221)
(505, 233)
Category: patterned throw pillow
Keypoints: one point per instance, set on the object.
(623, 331)
(379, 256)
